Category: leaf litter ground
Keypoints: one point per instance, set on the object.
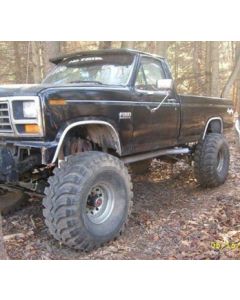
(172, 218)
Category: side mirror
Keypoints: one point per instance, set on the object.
(165, 84)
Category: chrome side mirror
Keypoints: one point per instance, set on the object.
(165, 84)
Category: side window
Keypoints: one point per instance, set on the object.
(141, 80)
(149, 73)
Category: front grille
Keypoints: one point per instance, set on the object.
(5, 123)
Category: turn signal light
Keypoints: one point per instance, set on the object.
(32, 128)
(57, 102)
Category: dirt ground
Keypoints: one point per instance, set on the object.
(172, 218)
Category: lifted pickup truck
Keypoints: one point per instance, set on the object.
(74, 136)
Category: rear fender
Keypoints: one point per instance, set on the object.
(214, 124)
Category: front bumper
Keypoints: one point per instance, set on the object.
(8, 172)
(13, 165)
(46, 149)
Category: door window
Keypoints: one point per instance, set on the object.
(149, 73)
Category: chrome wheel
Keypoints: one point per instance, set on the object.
(100, 203)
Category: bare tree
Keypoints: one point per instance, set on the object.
(208, 69)
(194, 64)
(234, 74)
(3, 254)
(176, 56)
(214, 69)
(18, 63)
(161, 48)
(36, 61)
(127, 44)
(51, 50)
(104, 45)
(198, 82)
(237, 82)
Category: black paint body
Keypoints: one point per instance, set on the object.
(180, 120)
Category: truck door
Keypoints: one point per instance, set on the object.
(158, 129)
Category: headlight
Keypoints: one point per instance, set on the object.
(26, 116)
(29, 109)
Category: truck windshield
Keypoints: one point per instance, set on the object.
(111, 69)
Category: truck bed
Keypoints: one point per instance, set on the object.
(197, 110)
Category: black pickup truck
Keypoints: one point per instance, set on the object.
(74, 136)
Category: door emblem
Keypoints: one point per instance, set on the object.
(125, 115)
(230, 111)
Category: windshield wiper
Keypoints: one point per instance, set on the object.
(87, 81)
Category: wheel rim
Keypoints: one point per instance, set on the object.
(220, 160)
(100, 203)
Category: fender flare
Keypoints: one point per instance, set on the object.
(86, 122)
(208, 122)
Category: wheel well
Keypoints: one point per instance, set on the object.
(213, 126)
(90, 137)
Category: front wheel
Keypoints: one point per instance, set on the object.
(88, 201)
(211, 160)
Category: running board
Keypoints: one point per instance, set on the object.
(139, 157)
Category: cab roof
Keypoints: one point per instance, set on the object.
(62, 58)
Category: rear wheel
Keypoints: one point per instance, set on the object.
(212, 160)
(88, 201)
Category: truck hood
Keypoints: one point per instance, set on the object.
(21, 89)
(12, 90)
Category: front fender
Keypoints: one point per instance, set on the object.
(84, 122)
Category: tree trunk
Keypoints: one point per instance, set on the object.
(237, 82)
(176, 55)
(104, 45)
(51, 50)
(196, 67)
(233, 76)
(18, 63)
(3, 254)
(208, 69)
(161, 48)
(127, 44)
(36, 62)
(214, 69)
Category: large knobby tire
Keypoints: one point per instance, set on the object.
(211, 160)
(88, 200)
